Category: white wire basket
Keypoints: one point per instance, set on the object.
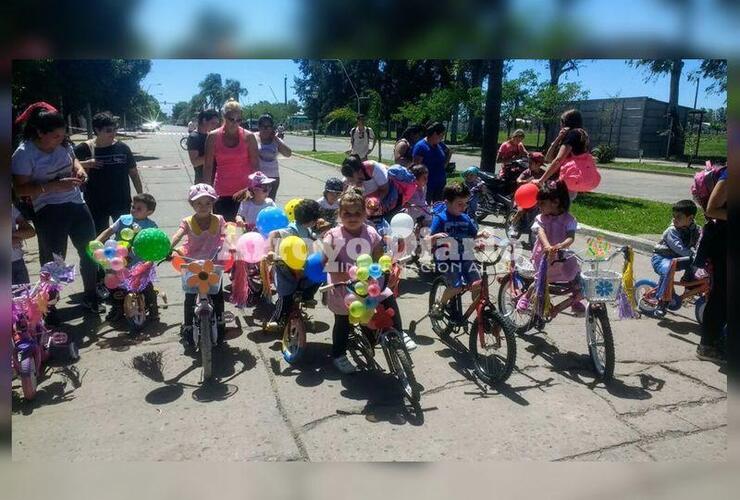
(601, 285)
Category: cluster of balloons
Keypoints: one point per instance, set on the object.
(365, 297)
(109, 255)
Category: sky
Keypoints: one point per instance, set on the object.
(173, 80)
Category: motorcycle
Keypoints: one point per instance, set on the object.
(493, 199)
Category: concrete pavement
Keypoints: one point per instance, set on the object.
(140, 399)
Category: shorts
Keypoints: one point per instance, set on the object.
(459, 274)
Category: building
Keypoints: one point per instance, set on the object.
(634, 125)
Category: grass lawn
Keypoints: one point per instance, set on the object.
(648, 167)
(709, 145)
(329, 156)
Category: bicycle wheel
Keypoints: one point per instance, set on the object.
(645, 297)
(294, 338)
(699, 307)
(508, 296)
(205, 343)
(401, 367)
(359, 349)
(29, 379)
(184, 143)
(600, 341)
(494, 349)
(442, 326)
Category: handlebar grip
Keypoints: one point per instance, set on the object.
(326, 287)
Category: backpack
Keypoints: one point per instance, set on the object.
(580, 174)
(352, 135)
(401, 185)
(704, 182)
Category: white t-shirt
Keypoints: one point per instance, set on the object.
(361, 141)
(325, 205)
(378, 178)
(248, 210)
(17, 248)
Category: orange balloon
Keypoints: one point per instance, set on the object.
(526, 196)
(177, 262)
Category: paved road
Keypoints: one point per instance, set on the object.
(140, 399)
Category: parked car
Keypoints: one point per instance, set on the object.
(150, 127)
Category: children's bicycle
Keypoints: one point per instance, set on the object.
(491, 338)
(294, 333)
(137, 296)
(596, 285)
(695, 292)
(397, 357)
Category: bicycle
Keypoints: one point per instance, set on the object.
(391, 342)
(491, 343)
(695, 291)
(137, 296)
(419, 226)
(599, 287)
(184, 143)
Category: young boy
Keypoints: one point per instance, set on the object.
(142, 206)
(329, 203)
(679, 240)
(474, 185)
(22, 230)
(453, 233)
(287, 281)
(259, 188)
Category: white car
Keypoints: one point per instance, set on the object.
(150, 127)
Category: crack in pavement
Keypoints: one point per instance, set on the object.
(692, 378)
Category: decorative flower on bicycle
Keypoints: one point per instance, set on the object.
(203, 276)
(604, 288)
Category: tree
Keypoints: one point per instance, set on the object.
(233, 90)
(492, 115)
(516, 95)
(715, 69)
(180, 113)
(557, 67)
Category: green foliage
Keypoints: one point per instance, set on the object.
(438, 105)
(604, 153)
(343, 115)
(279, 111)
(180, 113)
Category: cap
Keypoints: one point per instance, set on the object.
(537, 158)
(200, 190)
(471, 170)
(372, 205)
(334, 185)
(257, 179)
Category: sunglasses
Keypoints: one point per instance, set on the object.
(234, 120)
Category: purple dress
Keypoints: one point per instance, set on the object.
(556, 228)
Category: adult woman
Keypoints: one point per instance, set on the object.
(45, 169)
(571, 141)
(269, 147)
(510, 150)
(405, 145)
(109, 164)
(233, 150)
(429, 152)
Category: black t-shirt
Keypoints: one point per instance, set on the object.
(576, 140)
(109, 185)
(197, 140)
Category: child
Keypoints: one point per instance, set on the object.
(259, 187)
(341, 246)
(22, 230)
(374, 214)
(522, 219)
(417, 204)
(474, 185)
(329, 203)
(142, 206)
(556, 230)
(679, 240)
(287, 281)
(204, 235)
(453, 257)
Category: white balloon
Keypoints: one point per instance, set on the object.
(402, 225)
(111, 244)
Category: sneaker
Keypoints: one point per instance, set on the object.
(102, 291)
(344, 365)
(93, 305)
(408, 341)
(660, 311)
(523, 303)
(272, 327)
(437, 311)
(709, 353)
(513, 233)
(578, 309)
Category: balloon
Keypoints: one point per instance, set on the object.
(294, 252)
(112, 281)
(122, 251)
(361, 289)
(111, 244)
(99, 254)
(136, 228)
(352, 271)
(125, 244)
(92, 246)
(269, 219)
(177, 262)
(231, 235)
(363, 273)
(353, 320)
(373, 290)
(364, 260)
(371, 303)
(152, 244)
(367, 316)
(356, 308)
(252, 247)
(349, 298)
(110, 252)
(127, 233)
(402, 225)
(375, 271)
(385, 263)
(127, 219)
(290, 208)
(526, 196)
(314, 270)
(117, 263)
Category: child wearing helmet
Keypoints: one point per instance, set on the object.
(329, 202)
(475, 185)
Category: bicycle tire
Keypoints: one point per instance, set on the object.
(699, 306)
(603, 365)
(360, 350)
(29, 377)
(401, 367)
(442, 327)
(522, 320)
(206, 344)
(498, 372)
(184, 143)
(294, 338)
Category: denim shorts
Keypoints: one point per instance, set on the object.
(459, 274)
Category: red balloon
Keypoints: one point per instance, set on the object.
(526, 196)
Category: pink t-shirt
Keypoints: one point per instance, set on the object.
(557, 228)
(342, 250)
(203, 244)
(232, 164)
(509, 151)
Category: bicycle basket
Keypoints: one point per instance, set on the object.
(601, 285)
(524, 267)
(213, 290)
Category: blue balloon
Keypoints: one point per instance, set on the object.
(375, 271)
(314, 269)
(127, 219)
(371, 302)
(271, 218)
(109, 252)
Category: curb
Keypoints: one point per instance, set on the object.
(325, 162)
(655, 172)
(639, 244)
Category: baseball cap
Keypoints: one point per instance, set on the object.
(334, 185)
(258, 179)
(537, 157)
(200, 190)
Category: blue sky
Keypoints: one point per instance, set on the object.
(173, 80)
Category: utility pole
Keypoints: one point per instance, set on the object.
(285, 89)
(696, 94)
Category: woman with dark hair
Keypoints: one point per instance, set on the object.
(45, 169)
(405, 145)
(269, 146)
(571, 141)
(430, 153)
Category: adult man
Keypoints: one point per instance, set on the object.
(207, 121)
(360, 137)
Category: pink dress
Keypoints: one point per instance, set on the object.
(203, 244)
(556, 228)
(232, 164)
(342, 249)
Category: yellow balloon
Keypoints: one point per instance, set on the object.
(294, 252)
(290, 208)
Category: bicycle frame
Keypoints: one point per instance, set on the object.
(690, 289)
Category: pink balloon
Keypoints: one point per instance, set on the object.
(122, 251)
(252, 247)
(373, 290)
(352, 271)
(112, 281)
(99, 254)
(348, 299)
(117, 263)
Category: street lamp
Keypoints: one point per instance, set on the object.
(350, 82)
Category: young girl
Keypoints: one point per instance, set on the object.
(270, 145)
(329, 203)
(342, 245)
(418, 206)
(522, 219)
(259, 188)
(475, 185)
(556, 230)
(204, 236)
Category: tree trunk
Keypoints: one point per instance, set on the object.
(492, 115)
(677, 132)
(475, 123)
(453, 127)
